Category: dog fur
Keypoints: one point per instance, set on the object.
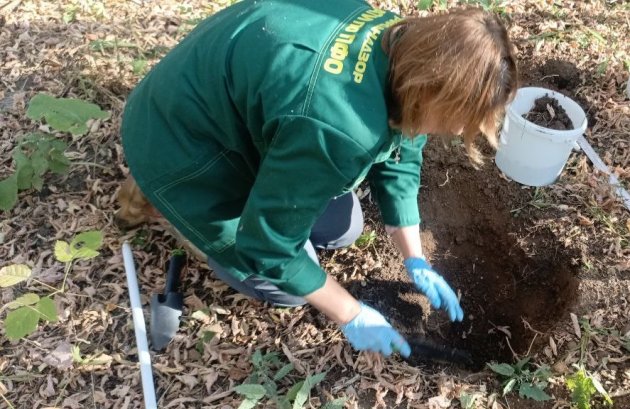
(134, 209)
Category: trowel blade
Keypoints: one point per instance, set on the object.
(165, 313)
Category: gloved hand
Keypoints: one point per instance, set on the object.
(433, 285)
(370, 331)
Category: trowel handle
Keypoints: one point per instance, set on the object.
(172, 275)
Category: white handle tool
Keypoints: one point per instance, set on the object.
(148, 388)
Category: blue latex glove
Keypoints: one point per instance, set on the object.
(433, 285)
(370, 331)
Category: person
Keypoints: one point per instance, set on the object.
(251, 135)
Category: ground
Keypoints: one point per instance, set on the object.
(542, 272)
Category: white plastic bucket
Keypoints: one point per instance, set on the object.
(531, 154)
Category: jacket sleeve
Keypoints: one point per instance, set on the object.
(307, 164)
(395, 183)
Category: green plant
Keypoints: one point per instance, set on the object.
(268, 370)
(366, 239)
(529, 384)
(583, 387)
(34, 155)
(38, 153)
(494, 6)
(582, 384)
(28, 309)
(139, 66)
(428, 4)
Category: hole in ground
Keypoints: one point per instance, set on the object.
(513, 279)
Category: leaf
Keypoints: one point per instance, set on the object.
(424, 4)
(76, 354)
(467, 401)
(509, 386)
(338, 403)
(250, 390)
(8, 192)
(582, 389)
(47, 309)
(282, 372)
(24, 174)
(62, 251)
(64, 114)
(600, 389)
(84, 254)
(502, 369)
(305, 390)
(292, 393)
(529, 391)
(521, 363)
(14, 274)
(365, 239)
(39, 163)
(84, 245)
(248, 403)
(21, 322)
(257, 358)
(26, 299)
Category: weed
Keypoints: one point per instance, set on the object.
(583, 387)
(529, 384)
(366, 239)
(27, 310)
(38, 153)
(539, 200)
(582, 384)
(428, 4)
(263, 382)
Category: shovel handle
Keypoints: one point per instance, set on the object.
(175, 266)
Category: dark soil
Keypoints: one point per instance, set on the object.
(547, 112)
(513, 281)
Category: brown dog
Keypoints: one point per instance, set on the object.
(135, 209)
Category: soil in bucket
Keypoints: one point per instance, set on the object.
(548, 113)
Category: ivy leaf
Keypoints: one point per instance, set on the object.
(527, 390)
(26, 299)
(62, 251)
(502, 369)
(47, 309)
(21, 322)
(14, 274)
(8, 192)
(64, 114)
(305, 390)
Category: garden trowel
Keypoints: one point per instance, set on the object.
(167, 308)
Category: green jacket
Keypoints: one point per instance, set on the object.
(268, 109)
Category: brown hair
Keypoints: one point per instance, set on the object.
(456, 65)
